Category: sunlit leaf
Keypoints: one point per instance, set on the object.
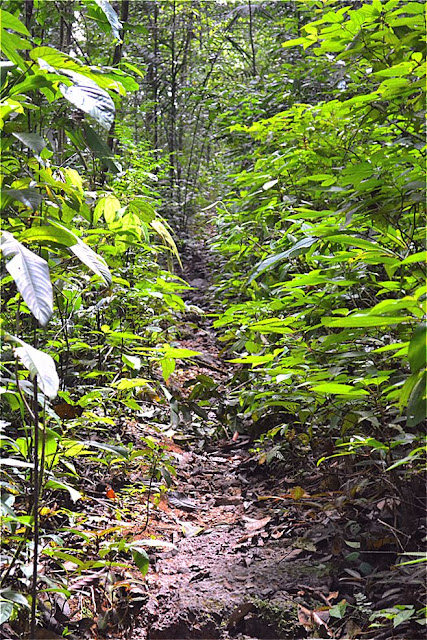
(338, 389)
(111, 16)
(86, 95)
(141, 560)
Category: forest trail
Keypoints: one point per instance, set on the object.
(252, 550)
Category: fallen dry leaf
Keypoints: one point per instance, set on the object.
(255, 525)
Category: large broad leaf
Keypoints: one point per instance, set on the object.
(31, 276)
(6, 610)
(39, 364)
(87, 255)
(111, 16)
(92, 260)
(417, 405)
(163, 232)
(56, 484)
(417, 348)
(109, 206)
(31, 140)
(101, 149)
(86, 95)
(357, 321)
(49, 235)
(299, 247)
(143, 209)
(335, 388)
(31, 198)
(9, 21)
(111, 448)
(10, 43)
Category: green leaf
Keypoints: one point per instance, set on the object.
(402, 616)
(9, 21)
(175, 352)
(87, 255)
(14, 596)
(31, 276)
(417, 348)
(358, 321)
(168, 367)
(354, 241)
(417, 405)
(163, 232)
(49, 235)
(10, 44)
(108, 207)
(298, 248)
(119, 451)
(30, 197)
(338, 389)
(141, 560)
(420, 256)
(132, 361)
(92, 260)
(39, 364)
(100, 149)
(142, 209)
(31, 140)
(56, 484)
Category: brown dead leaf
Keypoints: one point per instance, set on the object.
(256, 525)
(239, 613)
(304, 617)
(310, 619)
(290, 555)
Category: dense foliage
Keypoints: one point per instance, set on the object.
(298, 128)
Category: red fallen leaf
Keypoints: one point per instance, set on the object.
(110, 493)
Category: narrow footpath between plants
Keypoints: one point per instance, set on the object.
(258, 551)
(237, 548)
(253, 552)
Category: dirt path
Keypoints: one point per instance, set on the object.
(248, 550)
(238, 569)
(243, 563)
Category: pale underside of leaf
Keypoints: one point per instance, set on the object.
(92, 260)
(31, 276)
(39, 364)
(86, 95)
